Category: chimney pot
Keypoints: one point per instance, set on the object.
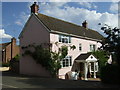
(13, 40)
(34, 8)
(85, 24)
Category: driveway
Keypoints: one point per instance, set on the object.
(12, 80)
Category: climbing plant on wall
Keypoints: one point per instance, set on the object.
(48, 59)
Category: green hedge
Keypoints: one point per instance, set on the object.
(110, 74)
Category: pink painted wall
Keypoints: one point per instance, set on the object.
(36, 33)
(74, 53)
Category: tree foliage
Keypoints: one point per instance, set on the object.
(111, 43)
(101, 56)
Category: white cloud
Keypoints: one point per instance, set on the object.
(18, 22)
(114, 7)
(3, 34)
(88, 4)
(78, 15)
(22, 18)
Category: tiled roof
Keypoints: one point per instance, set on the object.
(3, 45)
(67, 27)
(83, 56)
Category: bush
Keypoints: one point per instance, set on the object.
(14, 64)
(110, 74)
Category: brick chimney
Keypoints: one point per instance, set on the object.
(85, 24)
(13, 46)
(34, 8)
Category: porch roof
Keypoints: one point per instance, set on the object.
(83, 56)
(86, 57)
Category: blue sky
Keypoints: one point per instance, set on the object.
(15, 15)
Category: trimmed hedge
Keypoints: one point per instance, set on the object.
(110, 74)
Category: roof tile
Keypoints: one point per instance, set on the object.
(67, 27)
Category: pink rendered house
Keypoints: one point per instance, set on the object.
(45, 29)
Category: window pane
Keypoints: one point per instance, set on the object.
(66, 40)
(59, 38)
(63, 64)
(69, 39)
(92, 66)
(92, 47)
(80, 47)
(67, 62)
(63, 40)
(70, 61)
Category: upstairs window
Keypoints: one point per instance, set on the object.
(92, 47)
(80, 47)
(66, 62)
(64, 39)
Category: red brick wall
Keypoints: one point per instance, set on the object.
(8, 53)
(11, 51)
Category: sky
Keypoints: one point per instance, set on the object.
(15, 15)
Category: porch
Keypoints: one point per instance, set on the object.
(87, 65)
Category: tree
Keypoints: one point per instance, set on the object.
(111, 43)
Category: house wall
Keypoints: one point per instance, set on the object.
(74, 53)
(33, 33)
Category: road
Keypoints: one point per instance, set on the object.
(12, 80)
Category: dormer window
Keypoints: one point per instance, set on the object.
(64, 39)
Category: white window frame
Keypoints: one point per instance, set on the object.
(64, 39)
(92, 67)
(80, 46)
(67, 61)
(92, 47)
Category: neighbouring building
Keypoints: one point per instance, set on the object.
(9, 50)
(41, 28)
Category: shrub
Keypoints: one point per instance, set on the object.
(102, 59)
(14, 64)
(110, 74)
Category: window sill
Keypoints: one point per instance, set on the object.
(66, 67)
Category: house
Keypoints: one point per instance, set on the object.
(9, 50)
(45, 29)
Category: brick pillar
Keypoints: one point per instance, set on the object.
(13, 46)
